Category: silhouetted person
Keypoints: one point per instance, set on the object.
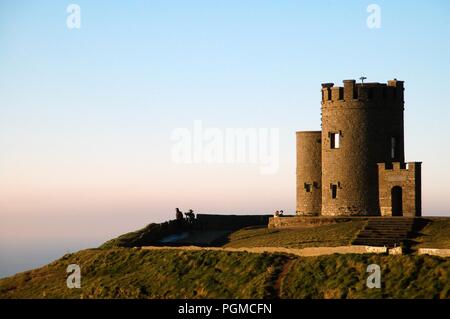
(179, 214)
(281, 213)
(190, 216)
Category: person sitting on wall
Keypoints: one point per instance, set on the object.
(276, 214)
(190, 216)
(179, 214)
(281, 213)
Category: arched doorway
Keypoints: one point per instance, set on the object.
(397, 199)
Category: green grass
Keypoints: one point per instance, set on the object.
(344, 276)
(435, 235)
(135, 273)
(339, 234)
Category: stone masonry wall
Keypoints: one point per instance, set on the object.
(409, 179)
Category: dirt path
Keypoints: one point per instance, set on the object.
(305, 252)
(286, 268)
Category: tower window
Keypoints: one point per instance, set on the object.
(307, 187)
(393, 148)
(334, 140)
(333, 191)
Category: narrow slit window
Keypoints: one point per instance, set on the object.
(393, 147)
(307, 187)
(334, 139)
(333, 191)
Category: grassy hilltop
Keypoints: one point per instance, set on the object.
(136, 273)
(126, 272)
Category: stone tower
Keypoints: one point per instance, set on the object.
(309, 173)
(362, 125)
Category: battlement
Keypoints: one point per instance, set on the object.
(398, 166)
(367, 92)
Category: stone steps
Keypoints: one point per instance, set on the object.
(370, 233)
(390, 231)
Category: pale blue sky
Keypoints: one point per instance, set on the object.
(86, 115)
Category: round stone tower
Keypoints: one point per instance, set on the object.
(362, 125)
(309, 173)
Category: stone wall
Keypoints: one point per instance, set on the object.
(230, 222)
(434, 251)
(408, 178)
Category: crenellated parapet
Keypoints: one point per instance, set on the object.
(395, 167)
(375, 93)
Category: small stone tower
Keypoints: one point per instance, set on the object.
(309, 173)
(362, 125)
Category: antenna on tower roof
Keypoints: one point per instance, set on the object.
(362, 79)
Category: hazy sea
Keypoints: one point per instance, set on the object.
(19, 256)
